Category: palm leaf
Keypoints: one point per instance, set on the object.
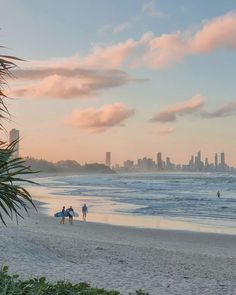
(13, 196)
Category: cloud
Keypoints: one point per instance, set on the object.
(164, 130)
(193, 106)
(226, 110)
(149, 7)
(113, 56)
(122, 27)
(171, 113)
(172, 48)
(167, 49)
(84, 76)
(99, 120)
(67, 83)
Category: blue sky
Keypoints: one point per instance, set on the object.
(41, 31)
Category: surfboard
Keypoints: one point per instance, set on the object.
(72, 213)
(60, 214)
(66, 214)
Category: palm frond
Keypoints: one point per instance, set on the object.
(13, 196)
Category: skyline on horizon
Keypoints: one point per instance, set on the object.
(141, 77)
(218, 158)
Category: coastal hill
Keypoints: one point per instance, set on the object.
(66, 166)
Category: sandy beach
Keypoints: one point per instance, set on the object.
(121, 258)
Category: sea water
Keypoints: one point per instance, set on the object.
(162, 200)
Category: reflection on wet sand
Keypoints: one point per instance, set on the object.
(105, 211)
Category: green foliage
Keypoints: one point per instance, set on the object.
(12, 171)
(7, 64)
(13, 196)
(12, 285)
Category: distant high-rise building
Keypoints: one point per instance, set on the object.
(199, 157)
(198, 162)
(216, 160)
(191, 163)
(108, 159)
(222, 159)
(206, 162)
(168, 164)
(159, 162)
(14, 135)
(129, 165)
(192, 160)
(146, 164)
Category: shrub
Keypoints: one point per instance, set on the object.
(13, 285)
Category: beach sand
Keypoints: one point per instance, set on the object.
(121, 258)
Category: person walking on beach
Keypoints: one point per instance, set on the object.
(63, 214)
(71, 214)
(218, 194)
(84, 211)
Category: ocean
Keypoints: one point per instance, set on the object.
(186, 201)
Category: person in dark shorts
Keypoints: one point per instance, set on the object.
(71, 214)
(63, 215)
(84, 211)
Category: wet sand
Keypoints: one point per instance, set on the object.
(121, 258)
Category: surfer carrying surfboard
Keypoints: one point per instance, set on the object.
(71, 214)
(63, 214)
(84, 211)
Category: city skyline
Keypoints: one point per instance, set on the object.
(196, 163)
(157, 75)
(217, 159)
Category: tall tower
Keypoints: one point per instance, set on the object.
(14, 135)
(216, 160)
(159, 161)
(108, 159)
(222, 159)
(199, 157)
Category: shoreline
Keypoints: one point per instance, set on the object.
(54, 203)
(121, 258)
(77, 221)
(111, 205)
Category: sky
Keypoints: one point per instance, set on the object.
(133, 77)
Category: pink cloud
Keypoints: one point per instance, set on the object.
(171, 113)
(168, 49)
(99, 120)
(217, 33)
(112, 56)
(82, 76)
(66, 83)
(165, 50)
(55, 86)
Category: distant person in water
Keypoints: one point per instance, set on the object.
(71, 214)
(63, 215)
(84, 211)
(218, 194)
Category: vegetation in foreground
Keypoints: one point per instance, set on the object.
(13, 196)
(13, 285)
